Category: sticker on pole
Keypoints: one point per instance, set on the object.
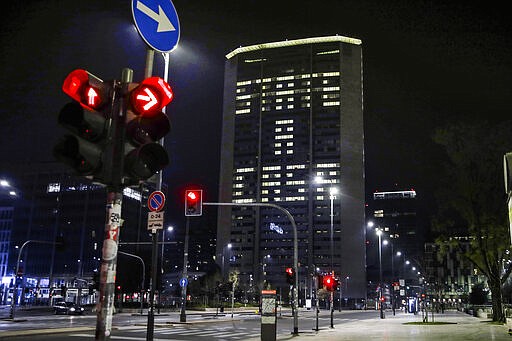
(156, 201)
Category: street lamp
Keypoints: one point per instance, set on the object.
(228, 246)
(170, 229)
(332, 194)
(379, 233)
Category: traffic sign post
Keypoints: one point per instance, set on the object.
(157, 22)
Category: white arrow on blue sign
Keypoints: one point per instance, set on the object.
(183, 282)
(157, 22)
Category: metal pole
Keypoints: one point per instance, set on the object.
(295, 252)
(105, 306)
(380, 276)
(15, 291)
(114, 155)
(154, 264)
(332, 258)
(183, 314)
(143, 275)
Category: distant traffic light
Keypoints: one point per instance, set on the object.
(146, 124)
(193, 202)
(85, 118)
(330, 283)
(290, 276)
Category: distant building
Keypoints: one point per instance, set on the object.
(293, 113)
(63, 217)
(395, 213)
(6, 225)
(450, 276)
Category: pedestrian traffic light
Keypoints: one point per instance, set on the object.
(145, 125)
(290, 276)
(330, 283)
(193, 202)
(85, 118)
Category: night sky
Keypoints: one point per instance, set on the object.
(426, 64)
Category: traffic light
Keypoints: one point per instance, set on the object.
(330, 283)
(290, 276)
(193, 202)
(145, 125)
(85, 118)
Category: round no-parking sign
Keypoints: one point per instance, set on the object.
(156, 201)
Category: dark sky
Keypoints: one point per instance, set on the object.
(426, 63)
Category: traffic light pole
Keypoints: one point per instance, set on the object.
(183, 314)
(295, 252)
(114, 162)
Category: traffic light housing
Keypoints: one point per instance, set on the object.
(290, 276)
(146, 124)
(330, 283)
(193, 202)
(114, 128)
(85, 118)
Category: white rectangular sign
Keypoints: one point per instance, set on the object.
(155, 220)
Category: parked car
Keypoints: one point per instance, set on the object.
(68, 308)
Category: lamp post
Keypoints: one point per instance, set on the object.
(379, 233)
(170, 229)
(332, 194)
(228, 246)
(142, 290)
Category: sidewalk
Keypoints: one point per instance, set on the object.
(459, 326)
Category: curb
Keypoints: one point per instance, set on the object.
(44, 331)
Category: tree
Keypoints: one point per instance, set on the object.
(472, 200)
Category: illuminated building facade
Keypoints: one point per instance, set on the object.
(395, 213)
(292, 130)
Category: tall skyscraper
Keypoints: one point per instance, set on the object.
(292, 131)
(395, 213)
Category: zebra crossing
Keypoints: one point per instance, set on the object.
(215, 333)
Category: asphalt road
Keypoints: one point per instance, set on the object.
(241, 326)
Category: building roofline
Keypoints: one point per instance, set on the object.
(314, 40)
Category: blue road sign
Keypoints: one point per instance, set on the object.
(156, 201)
(183, 282)
(157, 22)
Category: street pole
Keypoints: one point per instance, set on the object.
(114, 162)
(332, 191)
(295, 252)
(143, 277)
(379, 233)
(105, 306)
(183, 314)
(15, 290)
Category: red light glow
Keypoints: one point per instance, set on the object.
(151, 96)
(192, 196)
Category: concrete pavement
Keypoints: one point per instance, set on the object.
(458, 326)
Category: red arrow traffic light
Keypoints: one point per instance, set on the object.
(150, 96)
(86, 89)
